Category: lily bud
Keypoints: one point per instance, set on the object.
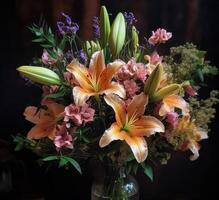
(153, 82)
(90, 47)
(117, 34)
(135, 39)
(40, 75)
(166, 91)
(104, 26)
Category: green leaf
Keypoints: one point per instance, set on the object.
(74, 163)
(135, 167)
(39, 40)
(46, 45)
(63, 161)
(62, 43)
(130, 158)
(56, 95)
(49, 158)
(200, 75)
(19, 146)
(148, 170)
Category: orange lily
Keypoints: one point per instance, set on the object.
(131, 125)
(191, 134)
(95, 80)
(173, 101)
(44, 120)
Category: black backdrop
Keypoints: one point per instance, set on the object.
(180, 179)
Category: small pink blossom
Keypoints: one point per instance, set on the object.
(190, 90)
(130, 87)
(46, 91)
(159, 36)
(79, 114)
(132, 70)
(49, 89)
(47, 59)
(69, 78)
(172, 119)
(62, 138)
(155, 58)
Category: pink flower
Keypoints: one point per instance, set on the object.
(78, 114)
(130, 87)
(48, 90)
(172, 119)
(190, 90)
(62, 138)
(159, 36)
(132, 70)
(47, 59)
(69, 78)
(155, 58)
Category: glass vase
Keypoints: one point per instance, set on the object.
(113, 183)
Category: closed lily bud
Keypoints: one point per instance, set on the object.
(135, 39)
(166, 91)
(40, 75)
(104, 26)
(117, 35)
(95, 46)
(87, 48)
(90, 47)
(153, 81)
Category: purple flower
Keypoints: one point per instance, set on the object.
(96, 27)
(130, 18)
(82, 56)
(67, 28)
(61, 26)
(67, 18)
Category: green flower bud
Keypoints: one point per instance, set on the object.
(40, 75)
(153, 82)
(117, 35)
(90, 47)
(166, 91)
(104, 26)
(135, 39)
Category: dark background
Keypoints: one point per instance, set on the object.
(188, 20)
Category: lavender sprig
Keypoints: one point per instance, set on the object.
(96, 27)
(81, 56)
(130, 18)
(68, 27)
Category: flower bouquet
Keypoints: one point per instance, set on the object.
(115, 101)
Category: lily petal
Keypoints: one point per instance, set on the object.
(138, 146)
(109, 72)
(146, 126)
(81, 96)
(137, 106)
(55, 108)
(194, 147)
(171, 102)
(36, 116)
(118, 106)
(81, 74)
(111, 134)
(38, 132)
(115, 88)
(97, 64)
